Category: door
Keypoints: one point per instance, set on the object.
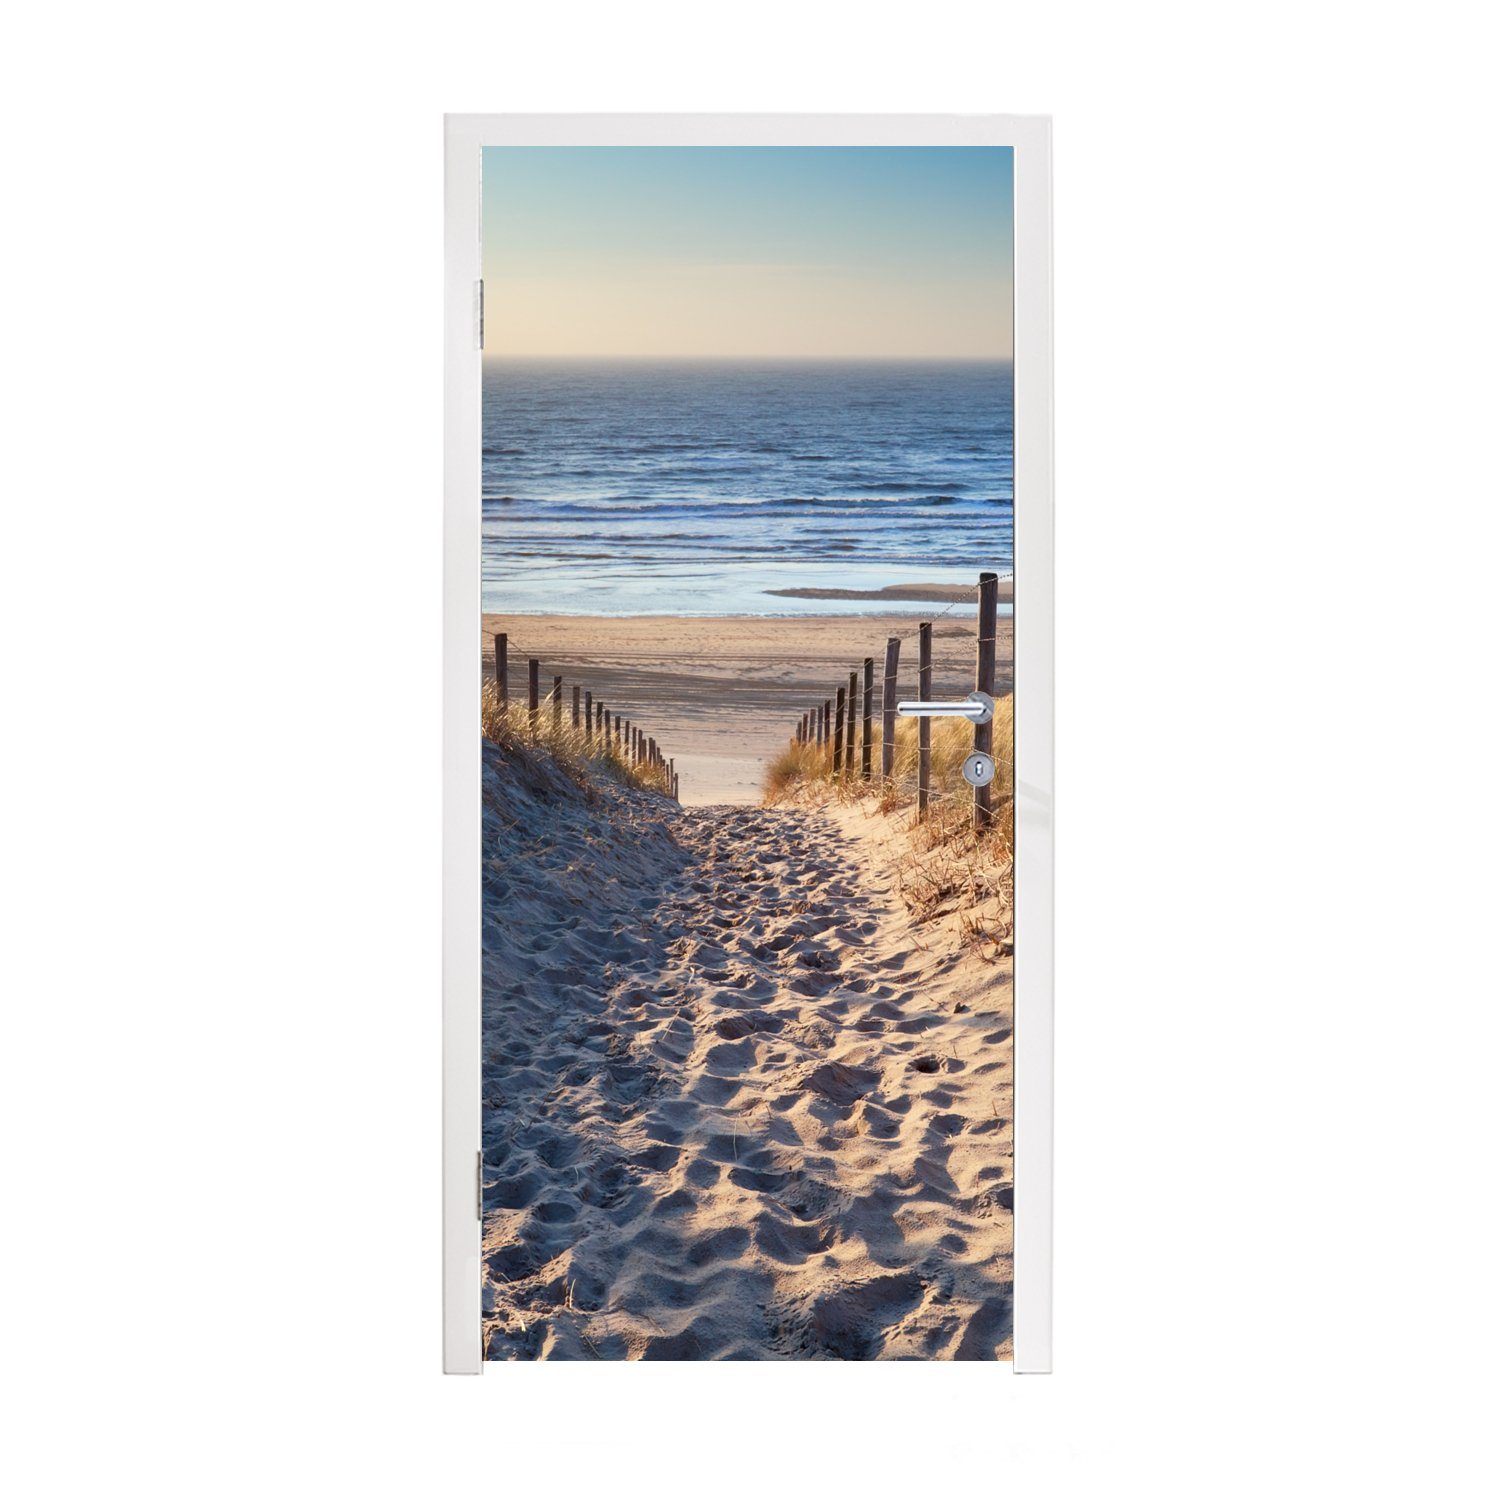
(747, 806)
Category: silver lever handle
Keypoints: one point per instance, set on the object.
(977, 708)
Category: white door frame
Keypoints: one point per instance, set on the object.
(1031, 139)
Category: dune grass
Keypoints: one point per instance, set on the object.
(586, 758)
(949, 866)
(808, 768)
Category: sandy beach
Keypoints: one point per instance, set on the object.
(721, 694)
(738, 1104)
(746, 1039)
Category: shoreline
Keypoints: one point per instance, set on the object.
(901, 593)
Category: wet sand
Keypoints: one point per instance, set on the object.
(723, 695)
(928, 593)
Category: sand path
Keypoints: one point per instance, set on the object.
(736, 1106)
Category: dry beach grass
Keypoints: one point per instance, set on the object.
(942, 865)
(582, 756)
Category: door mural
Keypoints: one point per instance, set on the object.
(747, 927)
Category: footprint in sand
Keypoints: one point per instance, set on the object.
(711, 1129)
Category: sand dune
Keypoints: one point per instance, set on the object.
(737, 1104)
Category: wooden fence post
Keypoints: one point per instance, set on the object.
(577, 710)
(533, 678)
(588, 718)
(888, 711)
(867, 748)
(984, 680)
(827, 720)
(838, 733)
(849, 730)
(502, 671)
(924, 725)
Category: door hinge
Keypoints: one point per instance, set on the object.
(479, 312)
(479, 1186)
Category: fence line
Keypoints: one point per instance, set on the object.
(865, 747)
(924, 725)
(629, 741)
(849, 731)
(828, 725)
(813, 727)
(888, 711)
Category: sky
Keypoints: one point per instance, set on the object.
(748, 252)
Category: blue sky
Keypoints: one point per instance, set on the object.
(748, 252)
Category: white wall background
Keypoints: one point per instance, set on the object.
(219, 593)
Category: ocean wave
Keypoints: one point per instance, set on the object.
(673, 473)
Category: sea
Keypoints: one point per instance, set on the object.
(709, 488)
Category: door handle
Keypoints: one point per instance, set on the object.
(977, 708)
